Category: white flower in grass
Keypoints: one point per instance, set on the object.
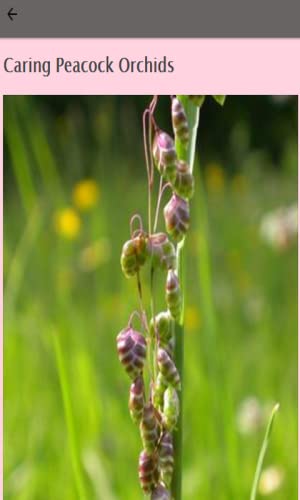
(271, 480)
(249, 415)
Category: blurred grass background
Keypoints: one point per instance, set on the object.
(74, 174)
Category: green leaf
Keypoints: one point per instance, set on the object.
(220, 99)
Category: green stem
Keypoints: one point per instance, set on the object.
(193, 114)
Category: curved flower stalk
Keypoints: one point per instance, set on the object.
(158, 347)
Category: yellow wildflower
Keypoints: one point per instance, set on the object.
(192, 318)
(86, 194)
(215, 177)
(67, 223)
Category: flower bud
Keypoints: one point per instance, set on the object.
(198, 100)
(179, 121)
(177, 217)
(158, 391)
(148, 471)
(166, 458)
(162, 252)
(149, 428)
(171, 408)
(164, 154)
(183, 184)
(173, 295)
(133, 255)
(161, 326)
(160, 493)
(131, 347)
(136, 399)
(168, 369)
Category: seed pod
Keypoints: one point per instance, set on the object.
(149, 428)
(177, 217)
(166, 457)
(136, 399)
(179, 122)
(173, 295)
(158, 391)
(131, 347)
(183, 184)
(168, 369)
(160, 493)
(164, 154)
(198, 100)
(148, 471)
(161, 325)
(133, 255)
(161, 251)
(171, 408)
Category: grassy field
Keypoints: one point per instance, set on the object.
(67, 432)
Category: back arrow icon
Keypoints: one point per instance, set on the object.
(11, 14)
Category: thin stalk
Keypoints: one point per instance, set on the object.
(193, 114)
(262, 453)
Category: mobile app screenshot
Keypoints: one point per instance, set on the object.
(149, 250)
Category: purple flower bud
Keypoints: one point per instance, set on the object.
(148, 471)
(149, 428)
(133, 255)
(173, 295)
(166, 457)
(162, 252)
(164, 154)
(160, 493)
(168, 369)
(183, 184)
(136, 399)
(131, 347)
(177, 217)
(179, 121)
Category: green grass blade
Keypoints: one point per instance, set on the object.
(65, 390)
(263, 452)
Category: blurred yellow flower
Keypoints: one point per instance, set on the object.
(95, 254)
(192, 318)
(86, 194)
(215, 177)
(271, 480)
(67, 223)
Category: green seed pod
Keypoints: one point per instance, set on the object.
(160, 493)
(179, 122)
(173, 295)
(133, 255)
(183, 184)
(158, 391)
(166, 457)
(168, 369)
(171, 408)
(177, 217)
(136, 399)
(198, 100)
(164, 155)
(161, 326)
(149, 428)
(148, 471)
(161, 251)
(131, 347)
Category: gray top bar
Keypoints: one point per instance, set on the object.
(144, 18)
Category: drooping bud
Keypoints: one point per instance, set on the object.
(198, 100)
(160, 493)
(158, 391)
(148, 471)
(136, 399)
(161, 326)
(133, 255)
(162, 252)
(149, 428)
(164, 154)
(168, 369)
(179, 121)
(173, 295)
(166, 458)
(131, 347)
(183, 184)
(171, 408)
(177, 217)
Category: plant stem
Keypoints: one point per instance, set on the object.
(187, 155)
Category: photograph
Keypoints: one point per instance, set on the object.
(150, 266)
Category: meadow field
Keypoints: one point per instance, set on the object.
(74, 173)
